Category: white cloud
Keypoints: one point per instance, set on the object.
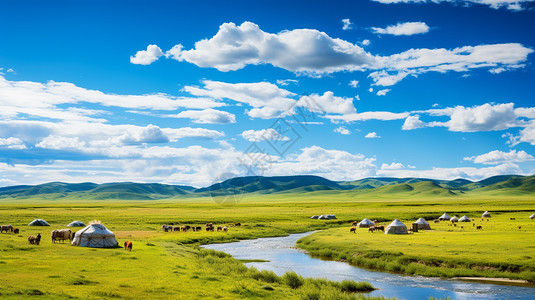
(366, 42)
(327, 103)
(383, 78)
(369, 115)
(208, 116)
(12, 143)
(354, 83)
(147, 57)
(392, 166)
(515, 5)
(269, 134)
(347, 24)
(342, 130)
(412, 122)
(383, 92)
(528, 134)
(499, 157)
(372, 135)
(286, 82)
(484, 117)
(314, 53)
(408, 28)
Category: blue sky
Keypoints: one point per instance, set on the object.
(192, 92)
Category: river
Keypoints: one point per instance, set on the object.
(284, 256)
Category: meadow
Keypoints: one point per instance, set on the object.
(171, 265)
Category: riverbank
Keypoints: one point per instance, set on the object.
(499, 250)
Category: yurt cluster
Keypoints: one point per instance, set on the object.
(94, 235)
(398, 227)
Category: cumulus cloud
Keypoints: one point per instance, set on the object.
(383, 92)
(412, 122)
(515, 5)
(347, 24)
(147, 57)
(314, 53)
(327, 103)
(486, 117)
(369, 115)
(408, 28)
(342, 130)
(499, 157)
(383, 78)
(269, 134)
(354, 83)
(372, 135)
(528, 134)
(392, 166)
(208, 116)
(286, 82)
(12, 143)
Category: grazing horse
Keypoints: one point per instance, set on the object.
(128, 246)
(225, 228)
(34, 240)
(198, 228)
(219, 228)
(353, 229)
(355, 223)
(371, 229)
(176, 228)
(183, 228)
(6, 228)
(167, 228)
(15, 230)
(479, 227)
(519, 227)
(382, 228)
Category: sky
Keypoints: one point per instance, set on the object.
(195, 92)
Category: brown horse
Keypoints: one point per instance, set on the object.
(353, 229)
(6, 228)
(128, 246)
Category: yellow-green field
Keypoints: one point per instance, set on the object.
(170, 265)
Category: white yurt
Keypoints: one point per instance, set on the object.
(396, 227)
(94, 236)
(444, 217)
(331, 217)
(486, 215)
(76, 224)
(314, 217)
(38, 222)
(465, 219)
(454, 219)
(422, 224)
(365, 223)
(532, 216)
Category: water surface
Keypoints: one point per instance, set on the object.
(283, 256)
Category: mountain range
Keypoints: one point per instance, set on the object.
(504, 184)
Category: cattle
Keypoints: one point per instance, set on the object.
(187, 227)
(225, 228)
(183, 228)
(382, 228)
(60, 234)
(371, 229)
(167, 228)
(237, 224)
(198, 228)
(219, 228)
(176, 228)
(455, 225)
(353, 229)
(15, 230)
(128, 246)
(6, 228)
(209, 224)
(473, 224)
(479, 227)
(34, 240)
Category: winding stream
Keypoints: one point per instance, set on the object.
(283, 256)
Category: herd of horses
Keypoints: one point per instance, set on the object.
(186, 228)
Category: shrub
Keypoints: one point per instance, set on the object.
(292, 280)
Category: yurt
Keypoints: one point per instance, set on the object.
(331, 217)
(396, 227)
(422, 224)
(76, 224)
(314, 217)
(454, 219)
(94, 236)
(365, 223)
(532, 216)
(444, 217)
(465, 219)
(485, 215)
(38, 222)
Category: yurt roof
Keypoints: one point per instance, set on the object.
(38, 222)
(421, 221)
(397, 222)
(76, 224)
(454, 219)
(532, 216)
(486, 214)
(463, 218)
(445, 215)
(366, 221)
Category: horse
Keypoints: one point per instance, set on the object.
(353, 229)
(6, 228)
(128, 246)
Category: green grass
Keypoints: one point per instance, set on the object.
(171, 265)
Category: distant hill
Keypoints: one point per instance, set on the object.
(386, 186)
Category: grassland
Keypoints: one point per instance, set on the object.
(171, 265)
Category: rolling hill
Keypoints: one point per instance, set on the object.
(497, 185)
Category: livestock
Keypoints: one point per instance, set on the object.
(355, 223)
(382, 228)
(176, 228)
(479, 227)
(519, 227)
(15, 230)
(187, 227)
(167, 228)
(198, 228)
(454, 224)
(512, 219)
(219, 228)
(237, 224)
(371, 229)
(128, 246)
(34, 240)
(209, 224)
(192, 228)
(210, 228)
(60, 234)
(473, 224)
(437, 221)
(225, 228)
(183, 228)
(6, 228)
(353, 229)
